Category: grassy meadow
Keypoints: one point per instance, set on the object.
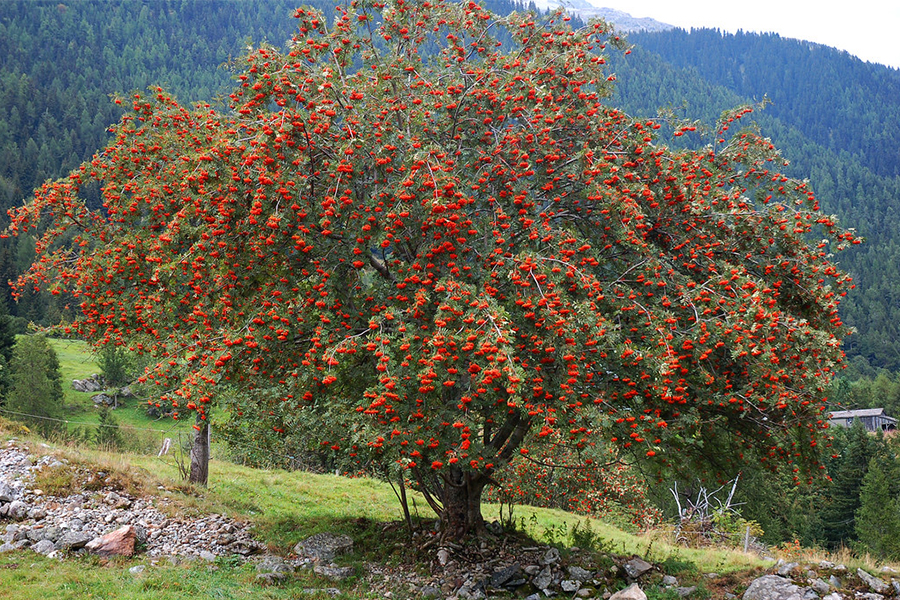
(283, 508)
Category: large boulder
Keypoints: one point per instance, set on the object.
(115, 543)
(92, 384)
(773, 587)
(324, 547)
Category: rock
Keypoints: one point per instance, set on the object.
(273, 564)
(826, 564)
(270, 578)
(636, 567)
(833, 596)
(869, 596)
(875, 584)
(785, 569)
(544, 579)
(116, 543)
(836, 583)
(684, 592)
(324, 547)
(579, 574)
(207, 556)
(17, 510)
(503, 577)
(104, 399)
(137, 569)
(94, 383)
(7, 492)
(819, 586)
(44, 547)
(73, 540)
(334, 573)
(772, 587)
(669, 580)
(569, 586)
(632, 592)
(810, 594)
(443, 556)
(551, 557)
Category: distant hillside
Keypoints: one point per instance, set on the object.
(834, 116)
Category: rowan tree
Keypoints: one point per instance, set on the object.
(429, 259)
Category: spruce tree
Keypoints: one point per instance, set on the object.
(878, 517)
(36, 395)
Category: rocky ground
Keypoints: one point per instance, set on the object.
(104, 520)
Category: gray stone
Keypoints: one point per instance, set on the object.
(324, 547)
(785, 569)
(73, 540)
(826, 564)
(207, 556)
(17, 510)
(576, 572)
(810, 594)
(94, 383)
(137, 569)
(875, 584)
(684, 592)
(551, 557)
(273, 564)
(869, 596)
(570, 586)
(820, 587)
(632, 592)
(270, 578)
(44, 547)
(772, 587)
(7, 492)
(669, 580)
(833, 596)
(636, 567)
(334, 573)
(544, 579)
(503, 577)
(836, 583)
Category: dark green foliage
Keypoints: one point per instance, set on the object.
(878, 516)
(854, 449)
(107, 436)
(115, 365)
(36, 395)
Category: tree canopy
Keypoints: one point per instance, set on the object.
(421, 236)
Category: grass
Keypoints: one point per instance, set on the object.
(141, 432)
(282, 507)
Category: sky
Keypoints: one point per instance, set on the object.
(868, 29)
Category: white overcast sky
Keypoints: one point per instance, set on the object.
(869, 29)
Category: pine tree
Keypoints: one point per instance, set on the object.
(36, 395)
(851, 464)
(878, 517)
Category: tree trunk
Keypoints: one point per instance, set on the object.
(462, 504)
(200, 454)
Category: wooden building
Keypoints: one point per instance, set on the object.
(873, 419)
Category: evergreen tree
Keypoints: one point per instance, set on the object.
(878, 517)
(36, 395)
(107, 436)
(856, 449)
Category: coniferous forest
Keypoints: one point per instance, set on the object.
(836, 118)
